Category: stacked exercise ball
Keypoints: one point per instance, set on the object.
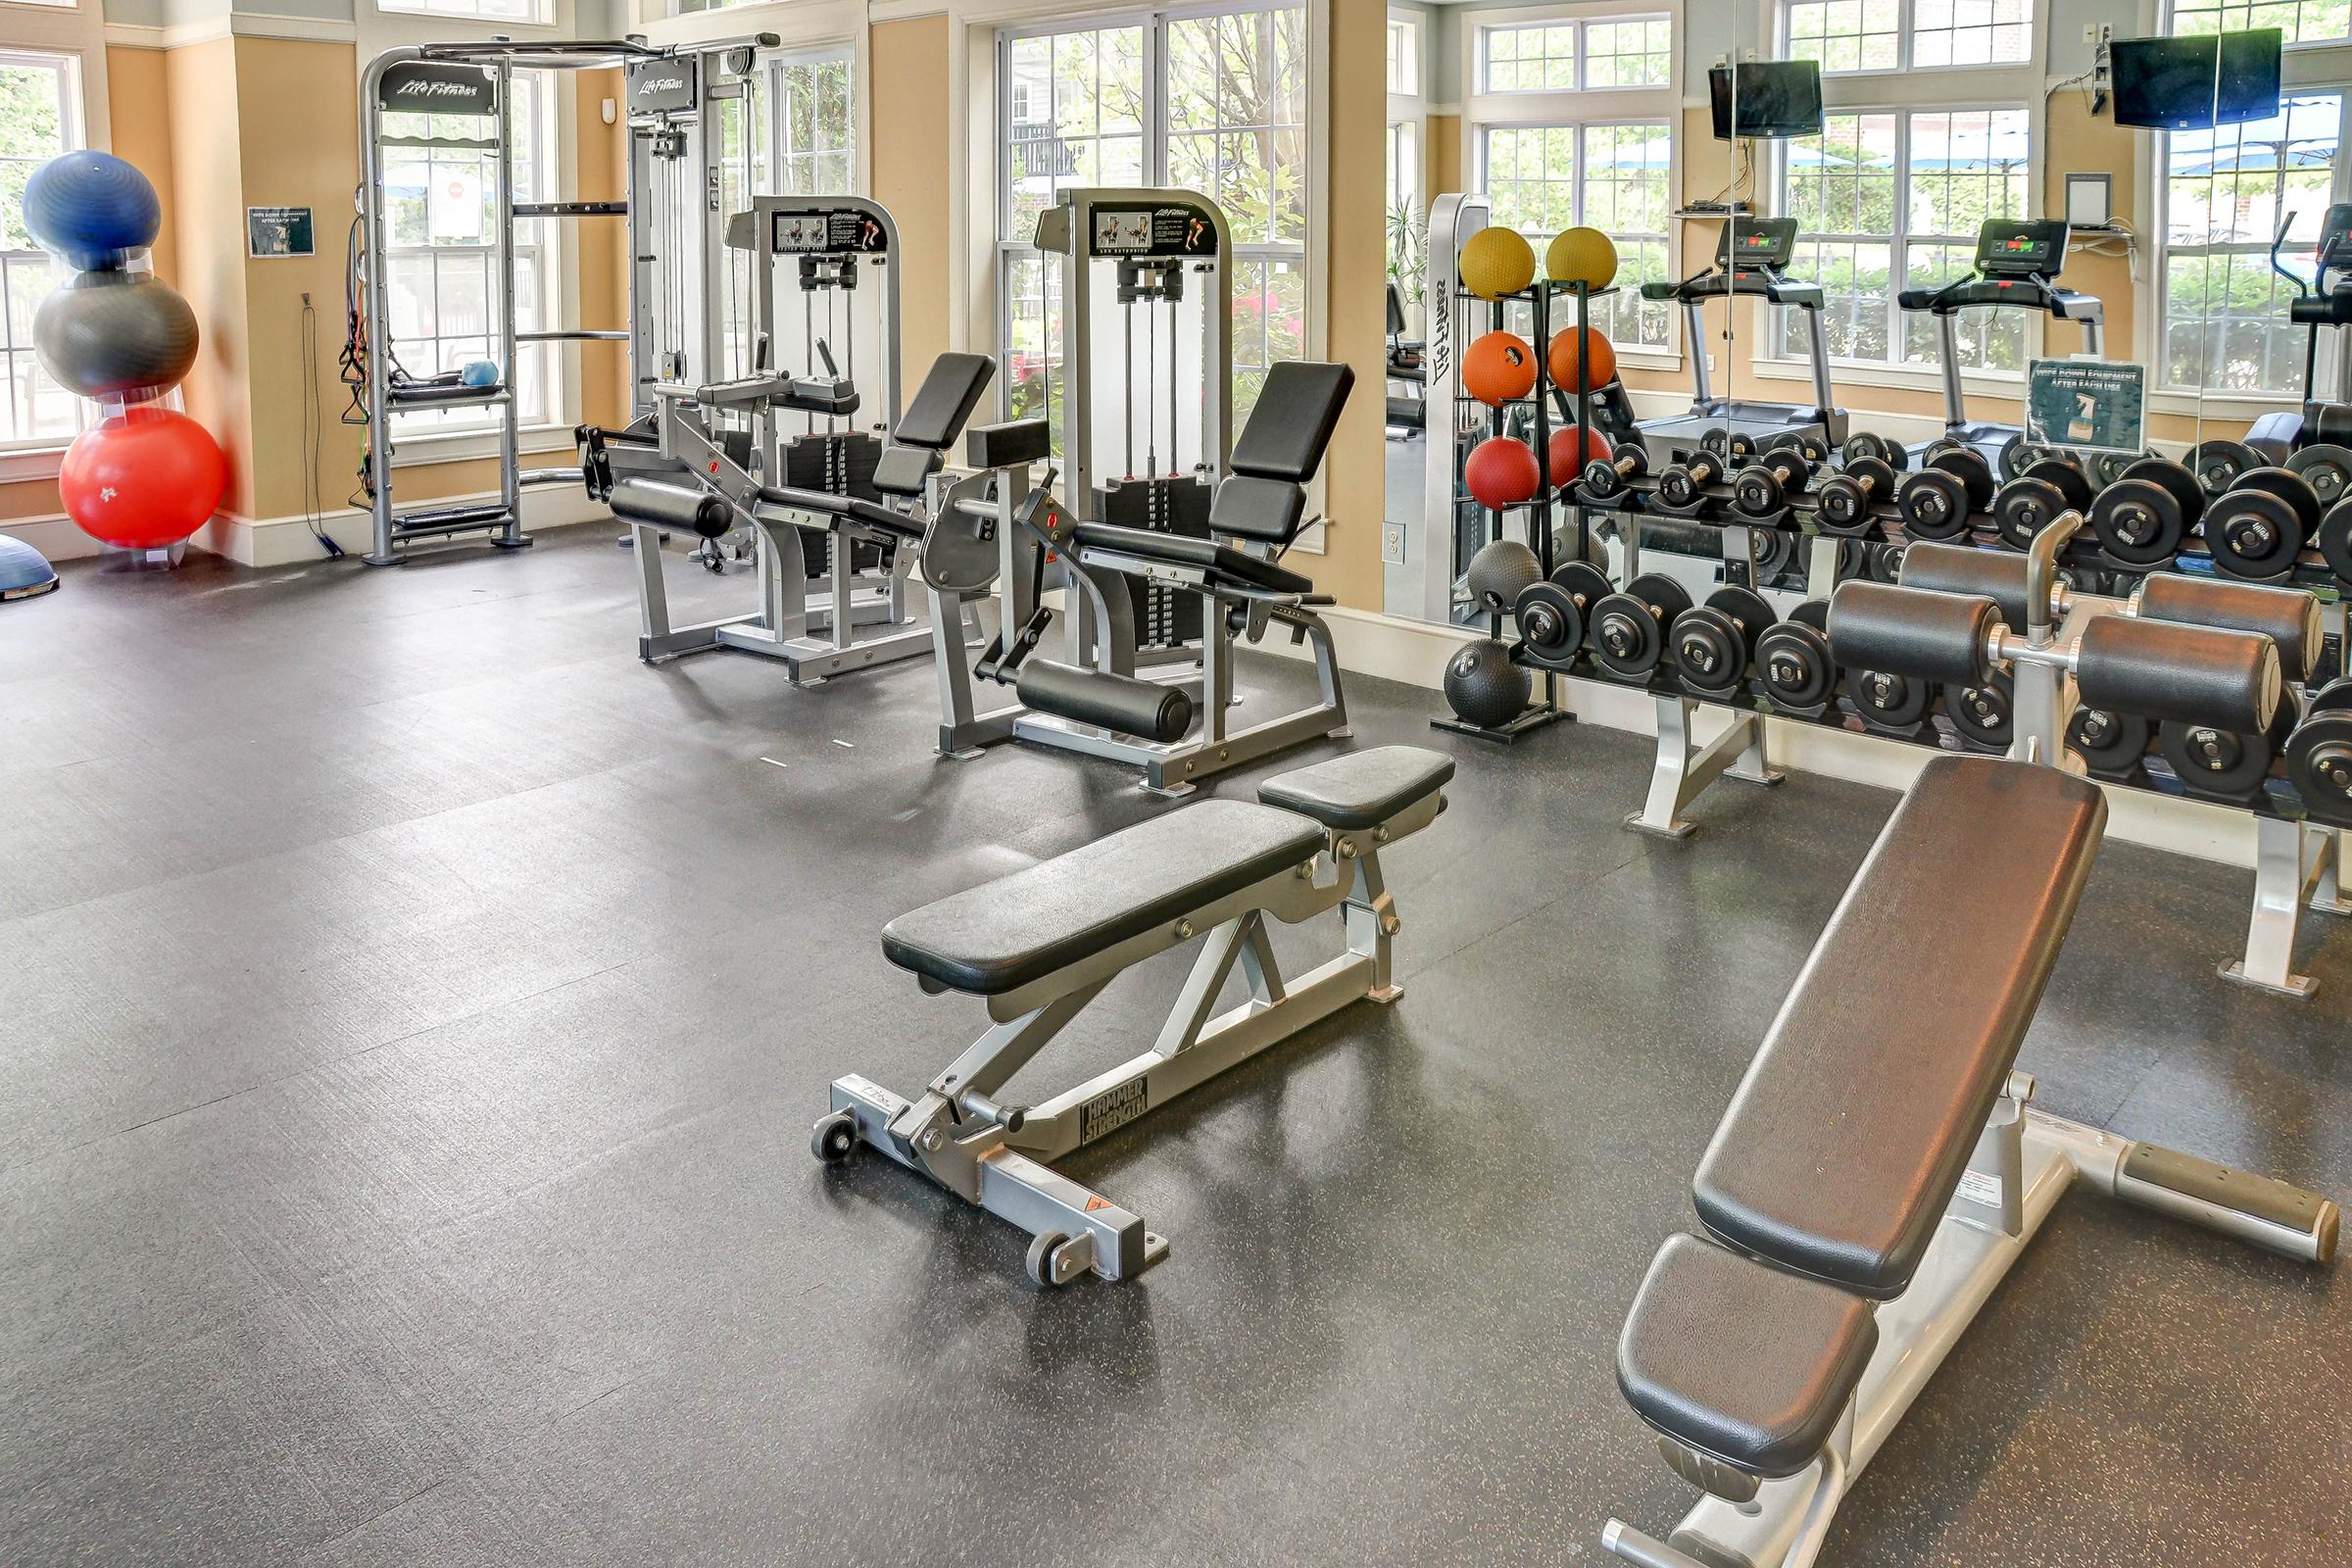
(146, 476)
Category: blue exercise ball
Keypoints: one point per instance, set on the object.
(92, 209)
(114, 333)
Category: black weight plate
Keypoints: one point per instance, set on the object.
(1883, 563)
(2138, 522)
(2319, 762)
(1775, 550)
(2072, 482)
(2015, 458)
(1552, 624)
(2328, 467)
(1813, 612)
(1970, 468)
(1888, 702)
(1565, 554)
(1756, 492)
(1984, 714)
(2252, 533)
(2219, 463)
(1627, 637)
(1850, 559)
(1585, 582)
(1793, 665)
(1751, 608)
(1934, 504)
(2108, 466)
(1709, 655)
(1656, 588)
(2024, 508)
(2210, 761)
(2335, 541)
(2334, 698)
(2111, 744)
(2288, 486)
(2175, 478)
(1866, 444)
(1842, 505)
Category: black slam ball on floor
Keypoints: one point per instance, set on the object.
(1484, 687)
(101, 334)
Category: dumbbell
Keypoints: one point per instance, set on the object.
(1843, 500)
(1982, 711)
(2108, 466)
(2319, 754)
(1794, 666)
(1629, 628)
(1714, 642)
(1864, 444)
(2335, 541)
(2144, 516)
(1966, 465)
(1607, 478)
(2015, 457)
(1681, 485)
(1719, 442)
(2031, 502)
(1810, 445)
(2113, 745)
(2218, 464)
(2261, 523)
(1934, 504)
(1763, 487)
(2224, 760)
(1552, 615)
(2327, 466)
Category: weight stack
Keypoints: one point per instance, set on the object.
(1177, 504)
(839, 465)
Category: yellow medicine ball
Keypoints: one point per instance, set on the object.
(1581, 256)
(1496, 261)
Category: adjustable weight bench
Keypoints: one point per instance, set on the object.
(1880, 1170)
(1039, 945)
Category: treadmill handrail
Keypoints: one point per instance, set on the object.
(1975, 291)
(1774, 287)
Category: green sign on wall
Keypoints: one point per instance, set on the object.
(2087, 405)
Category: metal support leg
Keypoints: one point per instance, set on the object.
(1683, 768)
(2292, 863)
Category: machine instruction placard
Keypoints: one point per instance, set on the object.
(2086, 405)
(279, 232)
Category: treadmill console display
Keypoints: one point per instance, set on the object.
(2031, 248)
(2335, 246)
(1758, 242)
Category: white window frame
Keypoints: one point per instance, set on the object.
(2037, 27)
(72, 128)
(772, 68)
(1007, 248)
(1580, 108)
(1411, 109)
(541, 16)
(2167, 12)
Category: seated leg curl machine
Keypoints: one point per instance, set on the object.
(1039, 945)
(1881, 1167)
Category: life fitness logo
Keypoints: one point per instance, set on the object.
(421, 87)
(662, 84)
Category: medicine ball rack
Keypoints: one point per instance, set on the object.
(1547, 708)
(2298, 856)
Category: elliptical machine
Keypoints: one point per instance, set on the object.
(2325, 299)
(2017, 267)
(1751, 258)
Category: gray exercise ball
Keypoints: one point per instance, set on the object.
(1498, 572)
(1484, 687)
(102, 333)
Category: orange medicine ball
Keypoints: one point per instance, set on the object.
(1568, 456)
(1562, 358)
(1500, 473)
(1499, 367)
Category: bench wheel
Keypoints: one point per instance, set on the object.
(1049, 1263)
(834, 1137)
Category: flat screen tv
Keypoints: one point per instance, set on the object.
(1775, 98)
(2196, 83)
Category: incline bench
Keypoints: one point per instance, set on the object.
(1039, 945)
(1881, 1142)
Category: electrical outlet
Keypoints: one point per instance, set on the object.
(1392, 543)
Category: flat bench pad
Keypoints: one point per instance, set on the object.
(1739, 1360)
(1846, 1139)
(1004, 934)
(1220, 562)
(1360, 789)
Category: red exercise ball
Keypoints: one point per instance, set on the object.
(1499, 367)
(1500, 473)
(1563, 361)
(146, 478)
(1566, 460)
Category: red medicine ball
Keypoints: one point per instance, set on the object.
(1502, 473)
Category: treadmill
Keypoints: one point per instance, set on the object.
(1752, 257)
(1405, 363)
(2017, 267)
(2324, 300)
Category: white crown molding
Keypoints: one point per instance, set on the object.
(233, 25)
(904, 10)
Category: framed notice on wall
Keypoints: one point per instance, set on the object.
(2089, 405)
(279, 232)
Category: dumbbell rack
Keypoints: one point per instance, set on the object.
(1547, 708)
(2298, 861)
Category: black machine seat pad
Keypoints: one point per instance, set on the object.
(1291, 425)
(951, 390)
(1362, 789)
(1269, 510)
(1019, 928)
(1739, 1360)
(1219, 562)
(856, 509)
(1846, 1139)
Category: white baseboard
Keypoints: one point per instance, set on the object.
(284, 540)
(53, 536)
(1414, 653)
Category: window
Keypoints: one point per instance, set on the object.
(1574, 124)
(1405, 55)
(815, 133)
(2302, 20)
(2225, 312)
(1856, 35)
(40, 116)
(445, 292)
(1891, 198)
(1631, 52)
(1216, 103)
(532, 11)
